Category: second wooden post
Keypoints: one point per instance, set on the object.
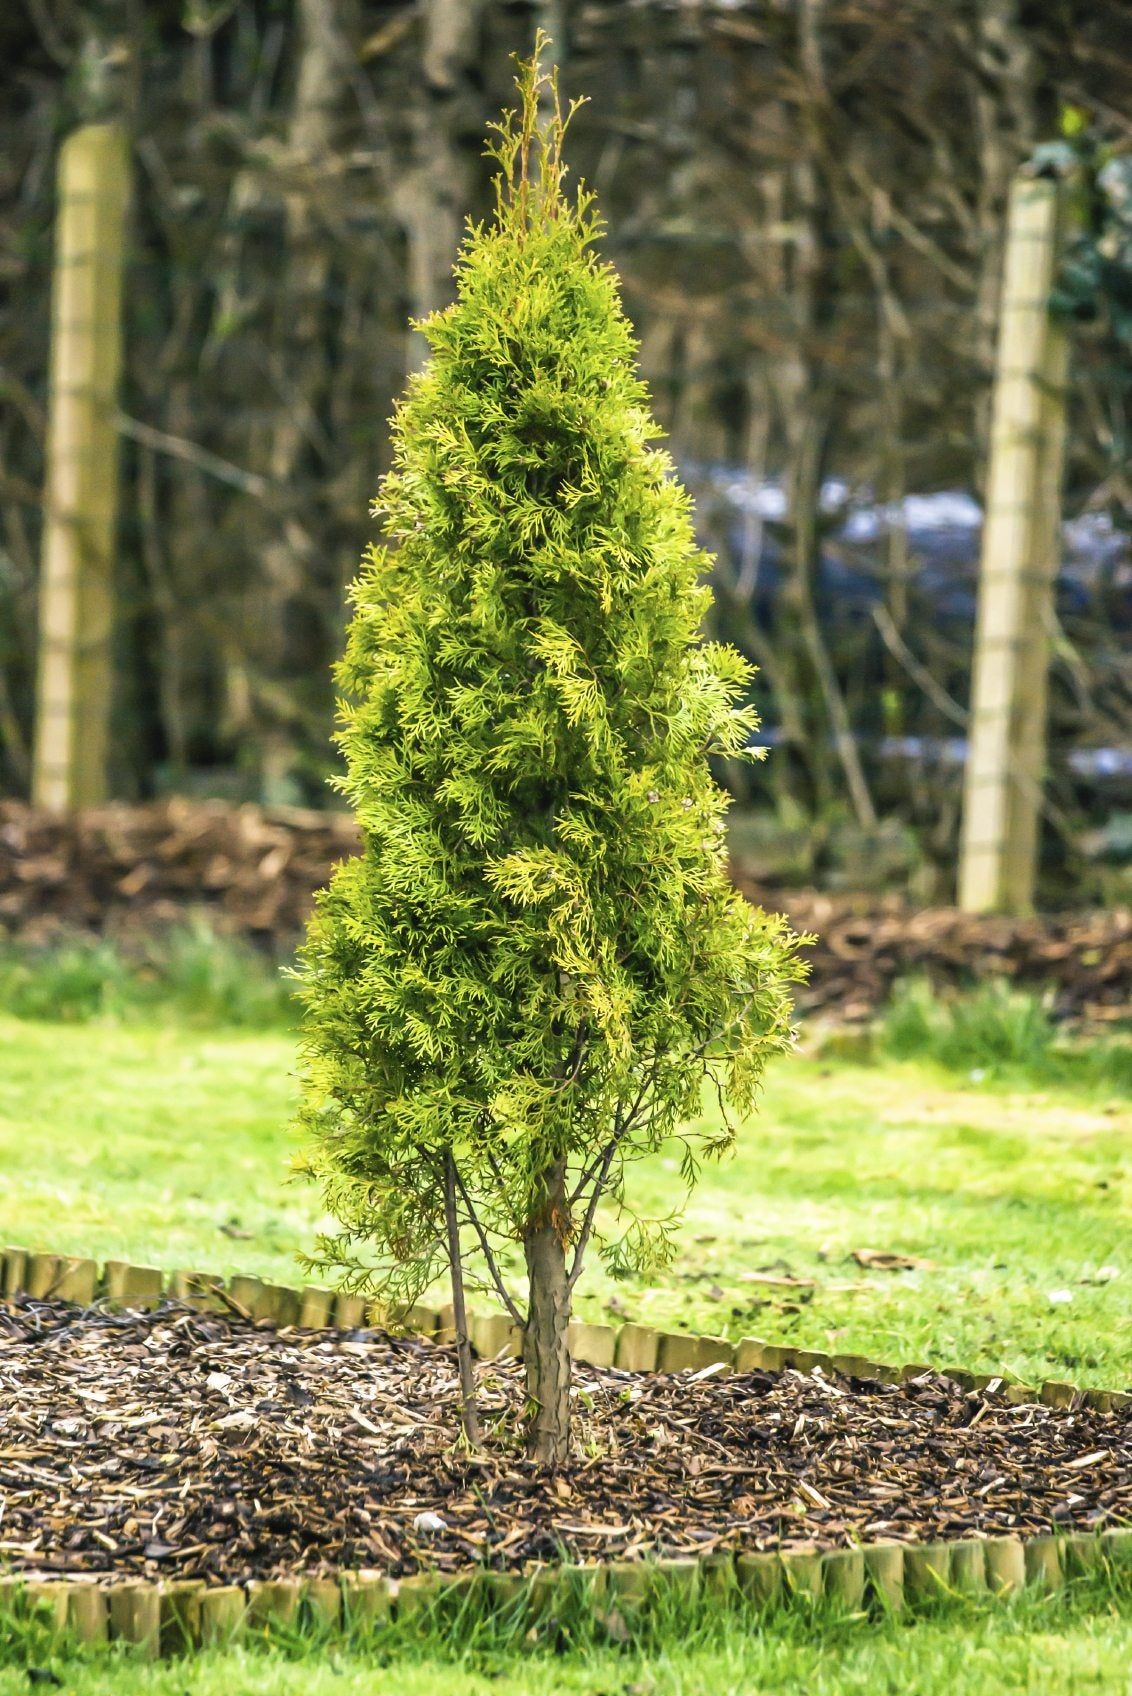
(1006, 756)
(76, 600)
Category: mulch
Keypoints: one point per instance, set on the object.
(186, 1444)
(132, 870)
(866, 945)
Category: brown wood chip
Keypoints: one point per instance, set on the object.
(183, 1444)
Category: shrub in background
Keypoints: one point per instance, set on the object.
(523, 982)
(189, 973)
(996, 1031)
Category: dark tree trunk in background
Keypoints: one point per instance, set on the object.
(434, 196)
(299, 376)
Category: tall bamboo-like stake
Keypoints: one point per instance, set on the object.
(76, 601)
(1021, 541)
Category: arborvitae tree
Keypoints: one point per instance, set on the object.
(526, 978)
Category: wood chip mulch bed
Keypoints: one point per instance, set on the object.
(182, 1444)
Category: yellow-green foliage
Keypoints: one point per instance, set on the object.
(537, 953)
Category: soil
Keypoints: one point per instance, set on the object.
(129, 871)
(185, 1444)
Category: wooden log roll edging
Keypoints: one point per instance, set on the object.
(167, 1619)
(630, 1347)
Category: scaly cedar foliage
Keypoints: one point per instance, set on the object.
(537, 958)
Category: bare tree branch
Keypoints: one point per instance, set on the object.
(919, 674)
(248, 482)
(473, 1219)
(588, 1222)
(469, 1412)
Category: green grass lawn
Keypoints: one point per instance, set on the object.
(1061, 1646)
(171, 1146)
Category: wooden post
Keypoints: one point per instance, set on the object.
(1021, 546)
(76, 600)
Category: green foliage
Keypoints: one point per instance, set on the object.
(189, 973)
(1093, 289)
(993, 1027)
(1095, 280)
(72, 981)
(537, 957)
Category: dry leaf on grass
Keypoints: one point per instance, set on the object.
(886, 1260)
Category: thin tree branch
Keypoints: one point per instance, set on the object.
(591, 1210)
(248, 482)
(575, 1062)
(590, 1171)
(492, 1264)
(469, 1413)
(919, 673)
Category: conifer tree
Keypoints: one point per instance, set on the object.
(527, 977)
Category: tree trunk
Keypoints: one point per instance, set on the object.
(1003, 101)
(286, 616)
(545, 1353)
(433, 196)
(1006, 761)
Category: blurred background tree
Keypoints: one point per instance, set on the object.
(805, 200)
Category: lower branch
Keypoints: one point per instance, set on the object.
(469, 1413)
(492, 1264)
(596, 1194)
